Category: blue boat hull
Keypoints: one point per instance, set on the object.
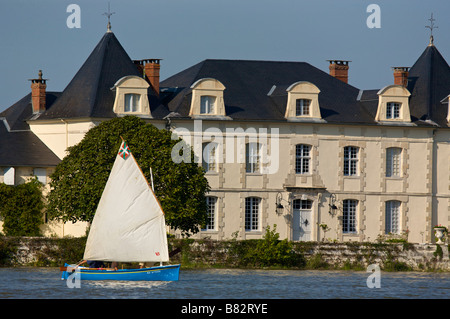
(158, 273)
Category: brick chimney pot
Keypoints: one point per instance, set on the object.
(38, 87)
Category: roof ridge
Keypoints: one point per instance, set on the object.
(254, 60)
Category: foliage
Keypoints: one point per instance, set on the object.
(79, 180)
(393, 265)
(438, 253)
(8, 248)
(21, 208)
(317, 262)
(57, 251)
(269, 251)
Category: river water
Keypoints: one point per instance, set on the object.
(45, 283)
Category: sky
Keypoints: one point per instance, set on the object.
(34, 35)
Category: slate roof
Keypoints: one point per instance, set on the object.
(18, 145)
(429, 84)
(24, 148)
(248, 84)
(89, 93)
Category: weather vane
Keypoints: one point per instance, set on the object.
(431, 27)
(109, 14)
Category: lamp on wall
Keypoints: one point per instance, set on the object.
(278, 205)
(332, 205)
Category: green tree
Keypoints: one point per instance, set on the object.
(21, 208)
(78, 181)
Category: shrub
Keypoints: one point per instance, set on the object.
(21, 208)
(269, 251)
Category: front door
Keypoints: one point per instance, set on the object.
(301, 226)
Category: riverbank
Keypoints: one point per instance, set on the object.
(250, 254)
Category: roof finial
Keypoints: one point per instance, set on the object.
(108, 14)
(431, 27)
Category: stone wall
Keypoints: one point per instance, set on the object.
(402, 256)
(352, 255)
(205, 253)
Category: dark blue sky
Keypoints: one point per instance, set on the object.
(34, 35)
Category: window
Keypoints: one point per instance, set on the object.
(349, 216)
(252, 205)
(9, 177)
(131, 93)
(302, 107)
(393, 110)
(302, 159)
(132, 103)
(209, 157)
(302, 101)
(393, 104)
(252, 158)
(392, 217)
(351, 160)
(211, 219)
(302, 204)
(41, 174)
(207, 104)
(393, 160)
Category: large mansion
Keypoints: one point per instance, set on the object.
(282, 143)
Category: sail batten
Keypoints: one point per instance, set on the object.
(129, 224)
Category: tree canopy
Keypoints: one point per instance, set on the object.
(21, 208)
(78, 181)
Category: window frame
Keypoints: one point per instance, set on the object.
(351, 161)
(211, 202)
(349, 216)
(207, 104)
(41, 174)
(394, 162)
(253, 157)
(302, 204)
(252, 214)
(302, 108)
(211, 153)
(303, 159)
(393, 110)
(133, 107)
(392, 217)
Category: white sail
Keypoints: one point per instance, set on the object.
(129, 224)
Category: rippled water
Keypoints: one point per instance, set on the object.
(45, 283)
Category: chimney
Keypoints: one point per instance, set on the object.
(140, 66)
(339, 69)
(38, 87)
(150, 71)
(401, 75)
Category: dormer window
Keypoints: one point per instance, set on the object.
(207, 104)
(131, 96)
(207, 98)
(132, 102)
(302, 107)
(393, 110)
(303, 102)
(393, 105)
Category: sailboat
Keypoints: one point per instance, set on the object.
(128, 226)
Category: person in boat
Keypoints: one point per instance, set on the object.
(95, 264)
